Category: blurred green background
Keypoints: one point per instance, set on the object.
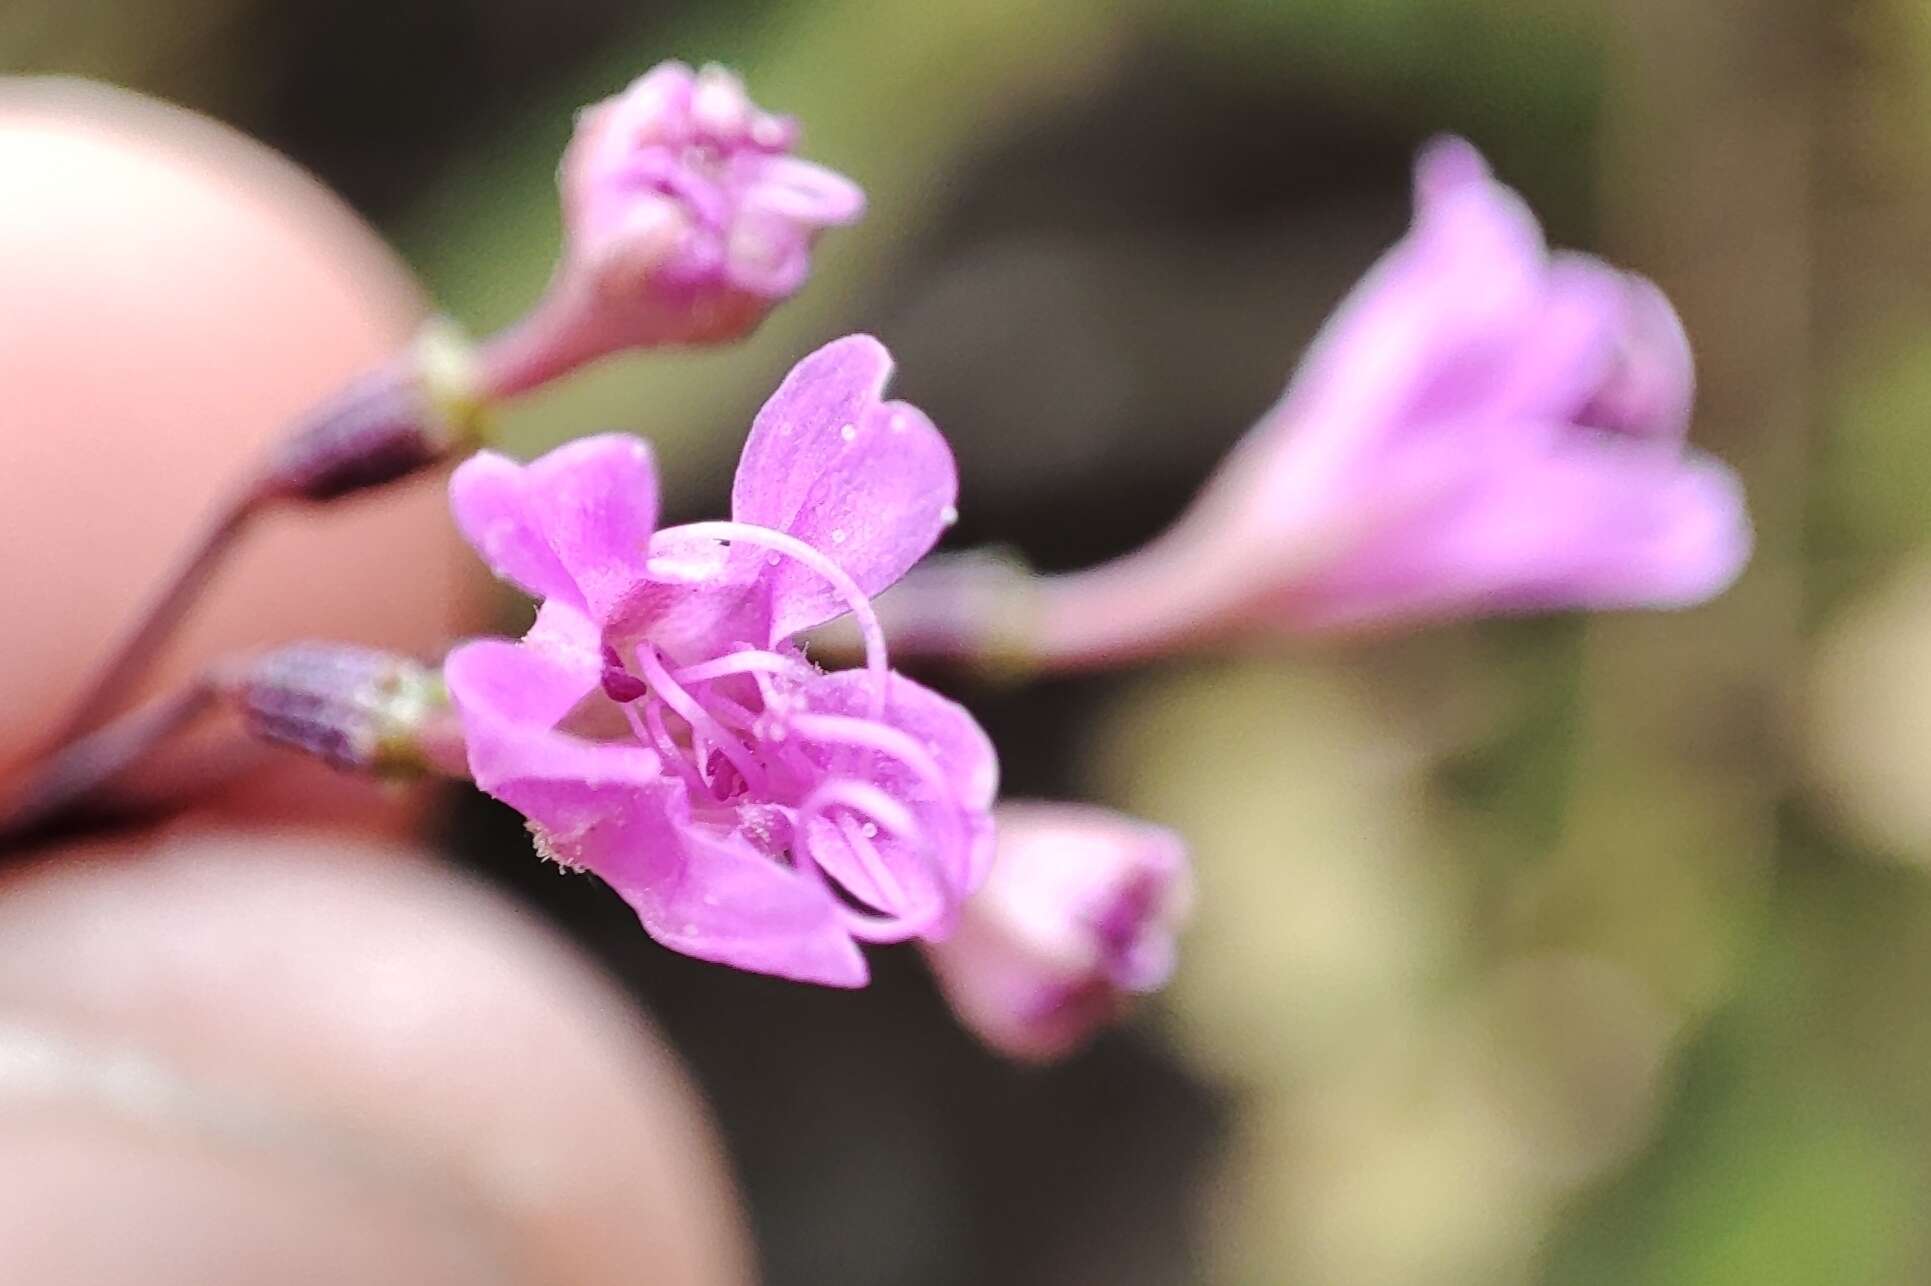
(1561, 951)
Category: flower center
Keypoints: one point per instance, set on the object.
(825, 793)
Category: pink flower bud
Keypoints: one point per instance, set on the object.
(1077, 915)
(686, 219)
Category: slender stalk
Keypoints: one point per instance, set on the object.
(549, 343)
(77, 773)
(390, 423)
(162, 616)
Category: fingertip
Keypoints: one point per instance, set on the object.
(177, 294)
(400, 1016)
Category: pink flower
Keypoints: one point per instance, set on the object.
(1483, 427)
(683, 179)
(686, 218)
(658, 726)
(1077, 916)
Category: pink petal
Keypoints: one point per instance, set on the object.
(574, 793)
(720, 109)
(766, 253)
(694, 602)
(965, 758)
(486, 496)
(653, 110)
(575, 525)
(803, 192)
(1446, 163)
(595, 501)
(871, 484)
(1528, 521)
(1653, 384)
(711, 895)
(945, 728)
(503, 689)
(1467, 275)
(609, 808)
(1693, 545)
(693, 620)
(1565, 349)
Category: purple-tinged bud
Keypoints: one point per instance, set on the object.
(358, 709)
(1077, 916)
(394, 422)
(686, 219)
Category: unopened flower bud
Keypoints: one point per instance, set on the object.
(358, 709)
(1077, 916)
(686, 219)
(394, 422)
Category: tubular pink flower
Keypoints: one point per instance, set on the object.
(1077, 916)
(756, 811)
(686, 219)
(1482, 427)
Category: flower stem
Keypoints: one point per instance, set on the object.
(75, 774)
(391, 423)
(163, 614)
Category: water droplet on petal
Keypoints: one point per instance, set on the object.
(869, 830)
(849, 432)
(838, 536)
(774, 559)
(949, 515)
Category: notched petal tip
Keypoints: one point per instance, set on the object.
(855, 362)
(799, 431)
(597, 451)
(487, 500)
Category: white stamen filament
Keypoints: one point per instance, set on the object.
(701, 721)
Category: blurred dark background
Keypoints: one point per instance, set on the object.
(1551, 951)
